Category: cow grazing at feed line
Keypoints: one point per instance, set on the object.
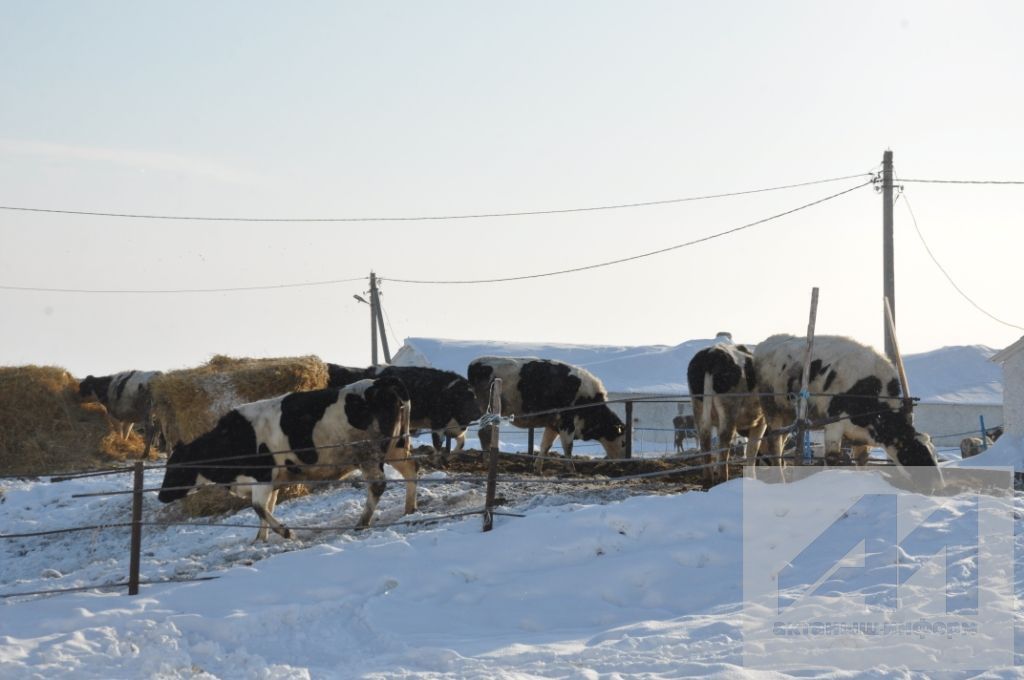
(442, 401)
(125, 395)
(545, 387)
(854, 393)
(722, 381)
(317, 435)
(682, 426)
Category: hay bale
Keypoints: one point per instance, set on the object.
(189, 402)
(44, 426)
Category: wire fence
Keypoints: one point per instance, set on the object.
(677, 465)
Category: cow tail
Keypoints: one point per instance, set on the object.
(709, 403)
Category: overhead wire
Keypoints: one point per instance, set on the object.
(420, 218)
(945, 273)
(415, 281)
(175, 291)
(635, 257)
(962, 181)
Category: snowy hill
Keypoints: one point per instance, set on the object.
(951, 374)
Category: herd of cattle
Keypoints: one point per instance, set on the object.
(364, 418)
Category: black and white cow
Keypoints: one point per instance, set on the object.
(531, 385)
(339, 376)
(126, 396)
(853, 389)
(442, 401)
(316, 435)
(722, 385)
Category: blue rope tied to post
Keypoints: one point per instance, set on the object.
(804, 394)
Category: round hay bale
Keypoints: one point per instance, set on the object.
(45, 428)
(189, 402)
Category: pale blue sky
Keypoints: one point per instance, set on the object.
(333, 109)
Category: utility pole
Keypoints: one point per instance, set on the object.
(373, 318)
(378, 311)
(377, 322)
(888, 266)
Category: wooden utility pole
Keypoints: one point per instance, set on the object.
(379, 318)
(376, 322)
(888, 265)
(373, 318)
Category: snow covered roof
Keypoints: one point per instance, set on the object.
(1001, 356)
(949, 375)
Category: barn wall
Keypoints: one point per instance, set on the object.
(652, 423)
(1013, 393)
(948, 424)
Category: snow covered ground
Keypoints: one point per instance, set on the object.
(588, 584)
(594, 582)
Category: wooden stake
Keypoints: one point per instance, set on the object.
(136, 547)
(804, 456)
(492, 466)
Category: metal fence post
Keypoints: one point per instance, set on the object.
(492, 466)
(133, 568)
(629, 429)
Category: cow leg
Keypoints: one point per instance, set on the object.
(547, 438)
(374, 490)
(566, 439)
(860, 454)
(834, 442)
(485, 433)
(435, 438)
(263, 499)
(754, 436)
(703, 436)
(407, 468)
(726, 433)
(460, 440)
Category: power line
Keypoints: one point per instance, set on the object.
(235, 289)
(963, 181)
(421, 218)
(942, 269)
(641, 255)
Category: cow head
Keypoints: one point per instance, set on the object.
(94, 388)
(384, 400)
(915, 449)
(178, 477)
(601, 423)
(462, 403)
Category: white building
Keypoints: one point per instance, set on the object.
(1012, 361)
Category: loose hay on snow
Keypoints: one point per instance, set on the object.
(44, 426)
